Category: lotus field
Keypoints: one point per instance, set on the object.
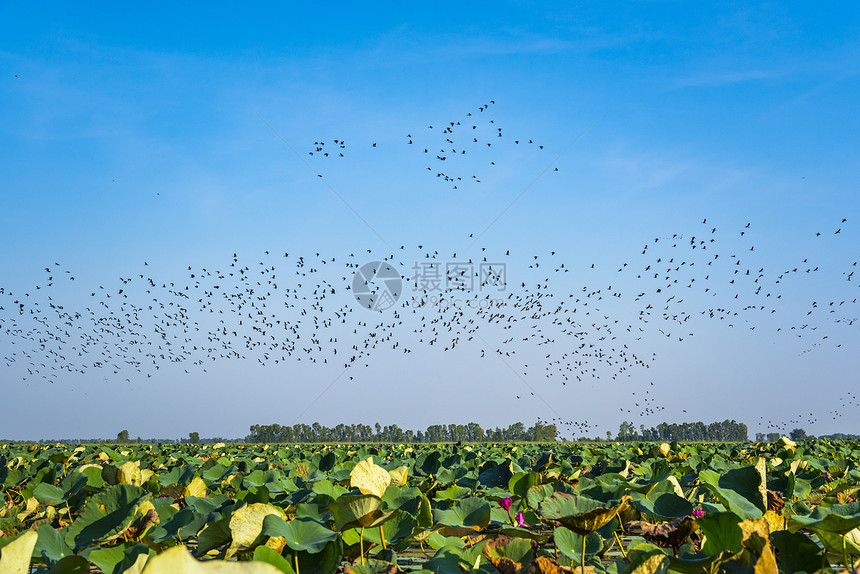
(506, 508)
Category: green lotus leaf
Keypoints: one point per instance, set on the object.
(798, 553)
(839, 518)
(469, 516)
(73, 483)
(51, 545)
(513, 552)
(670, 505)
(453, 492)
(833, 542)
(521, 482)
(453, 560)
(737, 489)
(171, 523)
(259, 478)
(214, 535)
(580, 514)
(117, 559)
(436, 541)
(397, 531)
(269, 556)
(300, 533)
(326, 561)
(497, 475)
(569, 543)
(327, 462)
(71, 565)
(537, 493)
(356, 511)
(327, 492)
(700, 563)
(106, 515)
(721, 531)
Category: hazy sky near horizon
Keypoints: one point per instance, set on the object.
(141, 146)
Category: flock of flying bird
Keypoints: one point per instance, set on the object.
(575, 324)
(449, 147)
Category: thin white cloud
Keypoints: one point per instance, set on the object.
(714, 79)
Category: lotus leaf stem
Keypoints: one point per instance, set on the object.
(360, 546)
(382, 537)
(621, 546)
(582, 561)
(296, 561)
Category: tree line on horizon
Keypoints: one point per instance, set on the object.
(359, 433)
(726, 431)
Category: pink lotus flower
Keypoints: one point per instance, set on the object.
(698, 513)
(521, 520)
(506, 503)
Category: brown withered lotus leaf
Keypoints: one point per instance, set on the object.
(844, 498)
(775, 501)
(580, 514)
(539, 565)
(668, 535)
(545, 565)
(495, 549)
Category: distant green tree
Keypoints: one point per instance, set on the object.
(798, 434)
(122, 437)
(626, 431)
(194, 437)
(773, 436)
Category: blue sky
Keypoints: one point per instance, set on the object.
(150, 140)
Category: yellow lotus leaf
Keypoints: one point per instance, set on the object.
(787, 442)
(16, 554)
(665, 448)
(178, 560)
(758, 526)
(103, 456)
(246, 526)
(138, 565)
(775, 521)
(369, 478)
(676, 486)
(32, 506)
(195, 488)
(83, 467)
(652, 565)
(793, 466)
(761, 467)
(129, 473)
(399, 475)
(218, 445)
